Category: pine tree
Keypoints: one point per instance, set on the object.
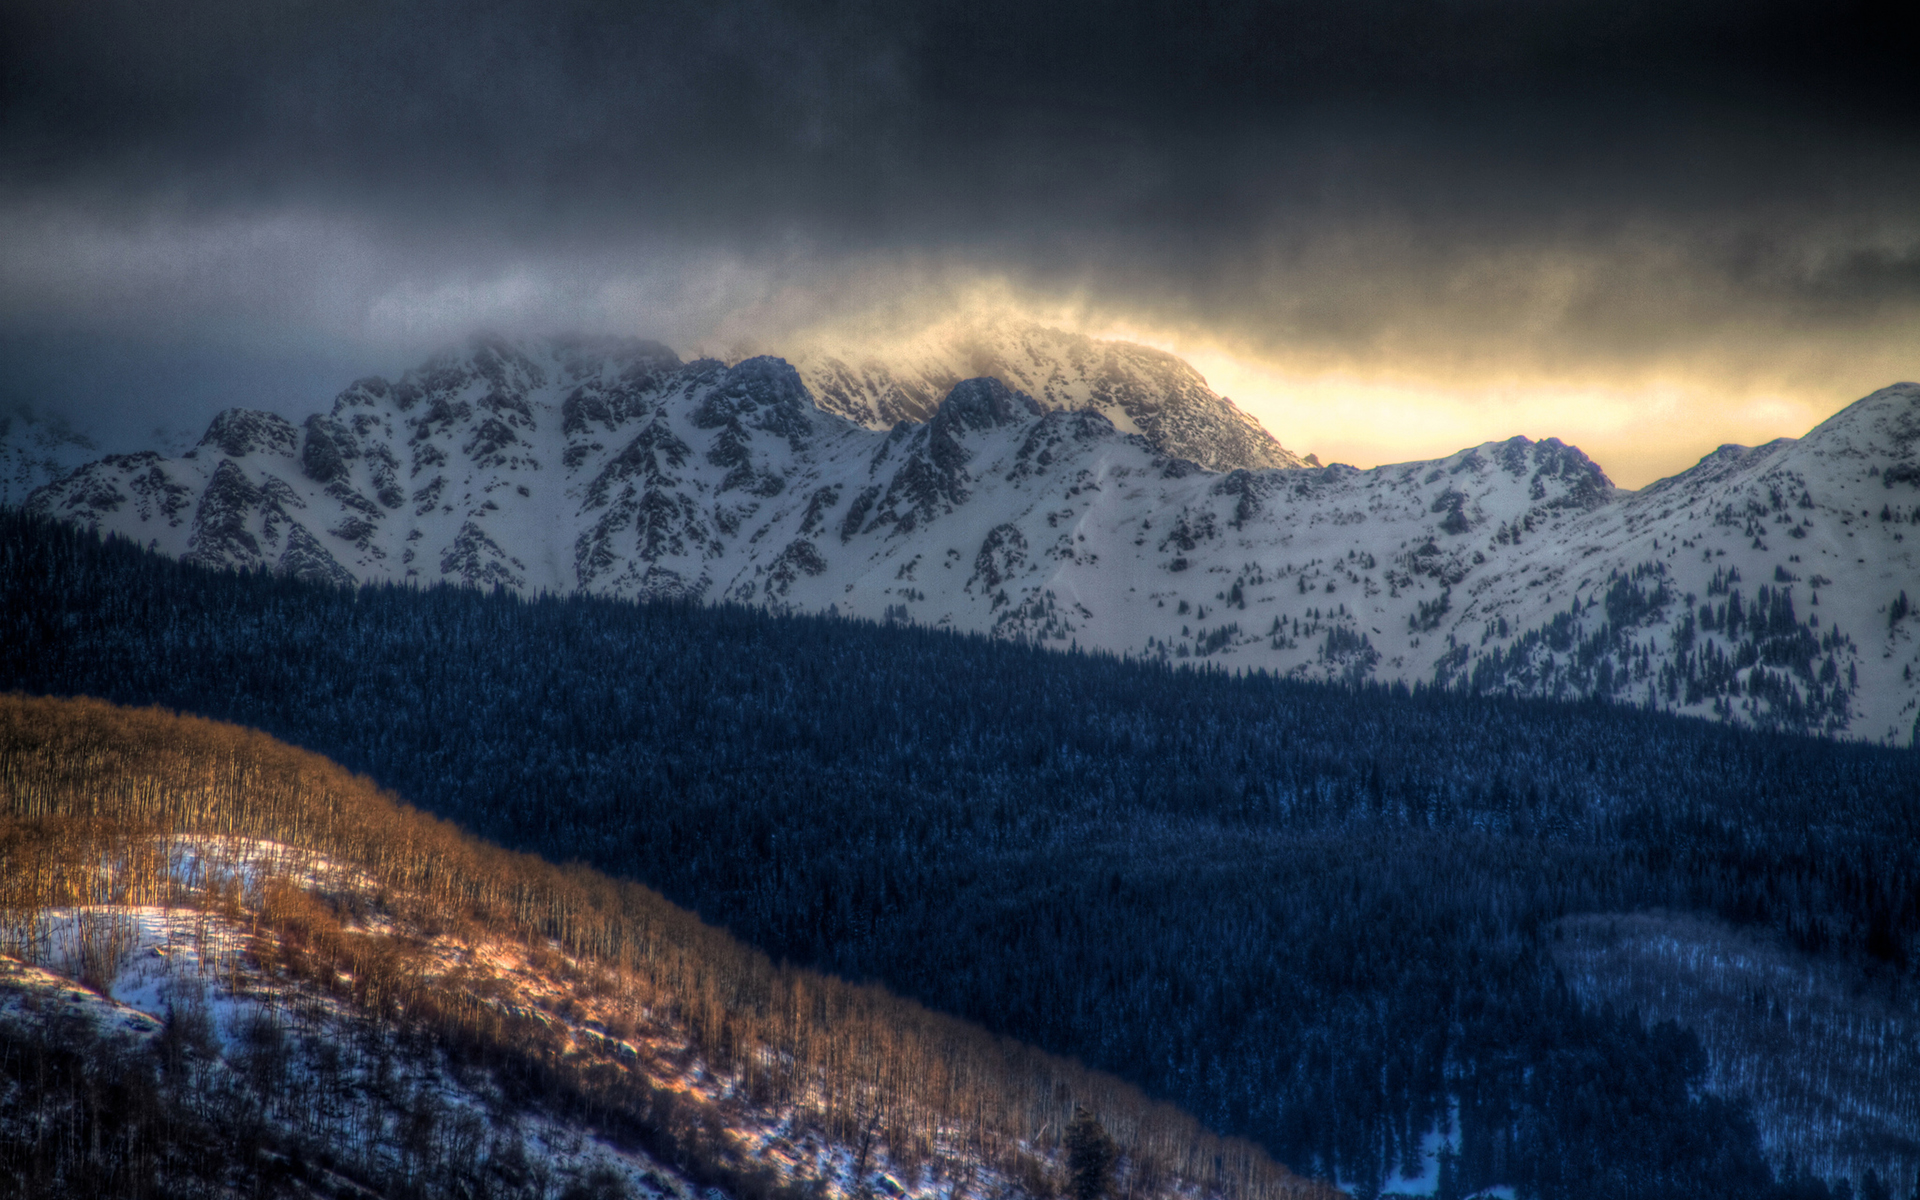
(1090, 1157)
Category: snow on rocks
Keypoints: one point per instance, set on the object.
(1137, 389)
(1509, 567)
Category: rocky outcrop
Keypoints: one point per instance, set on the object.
(1139, 389)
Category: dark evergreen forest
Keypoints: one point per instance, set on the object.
(1311, 915)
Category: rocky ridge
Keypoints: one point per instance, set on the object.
(1767, 586)
(35, 451)
(1140, 389)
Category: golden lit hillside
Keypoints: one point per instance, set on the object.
(577, 996)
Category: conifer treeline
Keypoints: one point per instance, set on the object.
(1309, 915)
(100, 805)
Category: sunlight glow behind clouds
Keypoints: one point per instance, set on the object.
(1637, 434)
(1427, 380)
(1644, 229)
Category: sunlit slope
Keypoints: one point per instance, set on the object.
(1139, 389)
(399, 916)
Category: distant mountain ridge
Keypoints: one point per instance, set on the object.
(35, 451)
(1140, 389)
(1763, 586)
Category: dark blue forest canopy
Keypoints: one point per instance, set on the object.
(1310, 915)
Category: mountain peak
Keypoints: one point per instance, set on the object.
(1140, 389)
(1012, 513)
(238, 432)
(766, 380)
(984, 403)
(1887, 421)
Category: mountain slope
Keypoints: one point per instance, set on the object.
(375, 1003)
(1317, 916)
(35, 451)
(1512, 566)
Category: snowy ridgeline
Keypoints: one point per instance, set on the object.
(36, 451)
(614, 468)
(1829, 1057)
(1139, 389)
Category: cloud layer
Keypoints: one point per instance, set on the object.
(1461, 191)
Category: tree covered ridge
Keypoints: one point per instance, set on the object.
(97, 802)
(1310, 915)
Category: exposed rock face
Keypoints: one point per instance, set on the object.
(231, 508)
(305, 558)
(1512, 567)
(238, 432)
(1139, 389)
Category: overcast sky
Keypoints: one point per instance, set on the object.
(1388, 229)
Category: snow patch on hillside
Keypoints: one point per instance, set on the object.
(132, 971)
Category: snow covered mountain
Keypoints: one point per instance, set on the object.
(35, 451)
(1767, 586)
(1140, 390)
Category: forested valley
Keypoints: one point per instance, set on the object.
(1315, 917)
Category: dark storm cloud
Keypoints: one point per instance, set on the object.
(511, 116)
(1586, 177)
